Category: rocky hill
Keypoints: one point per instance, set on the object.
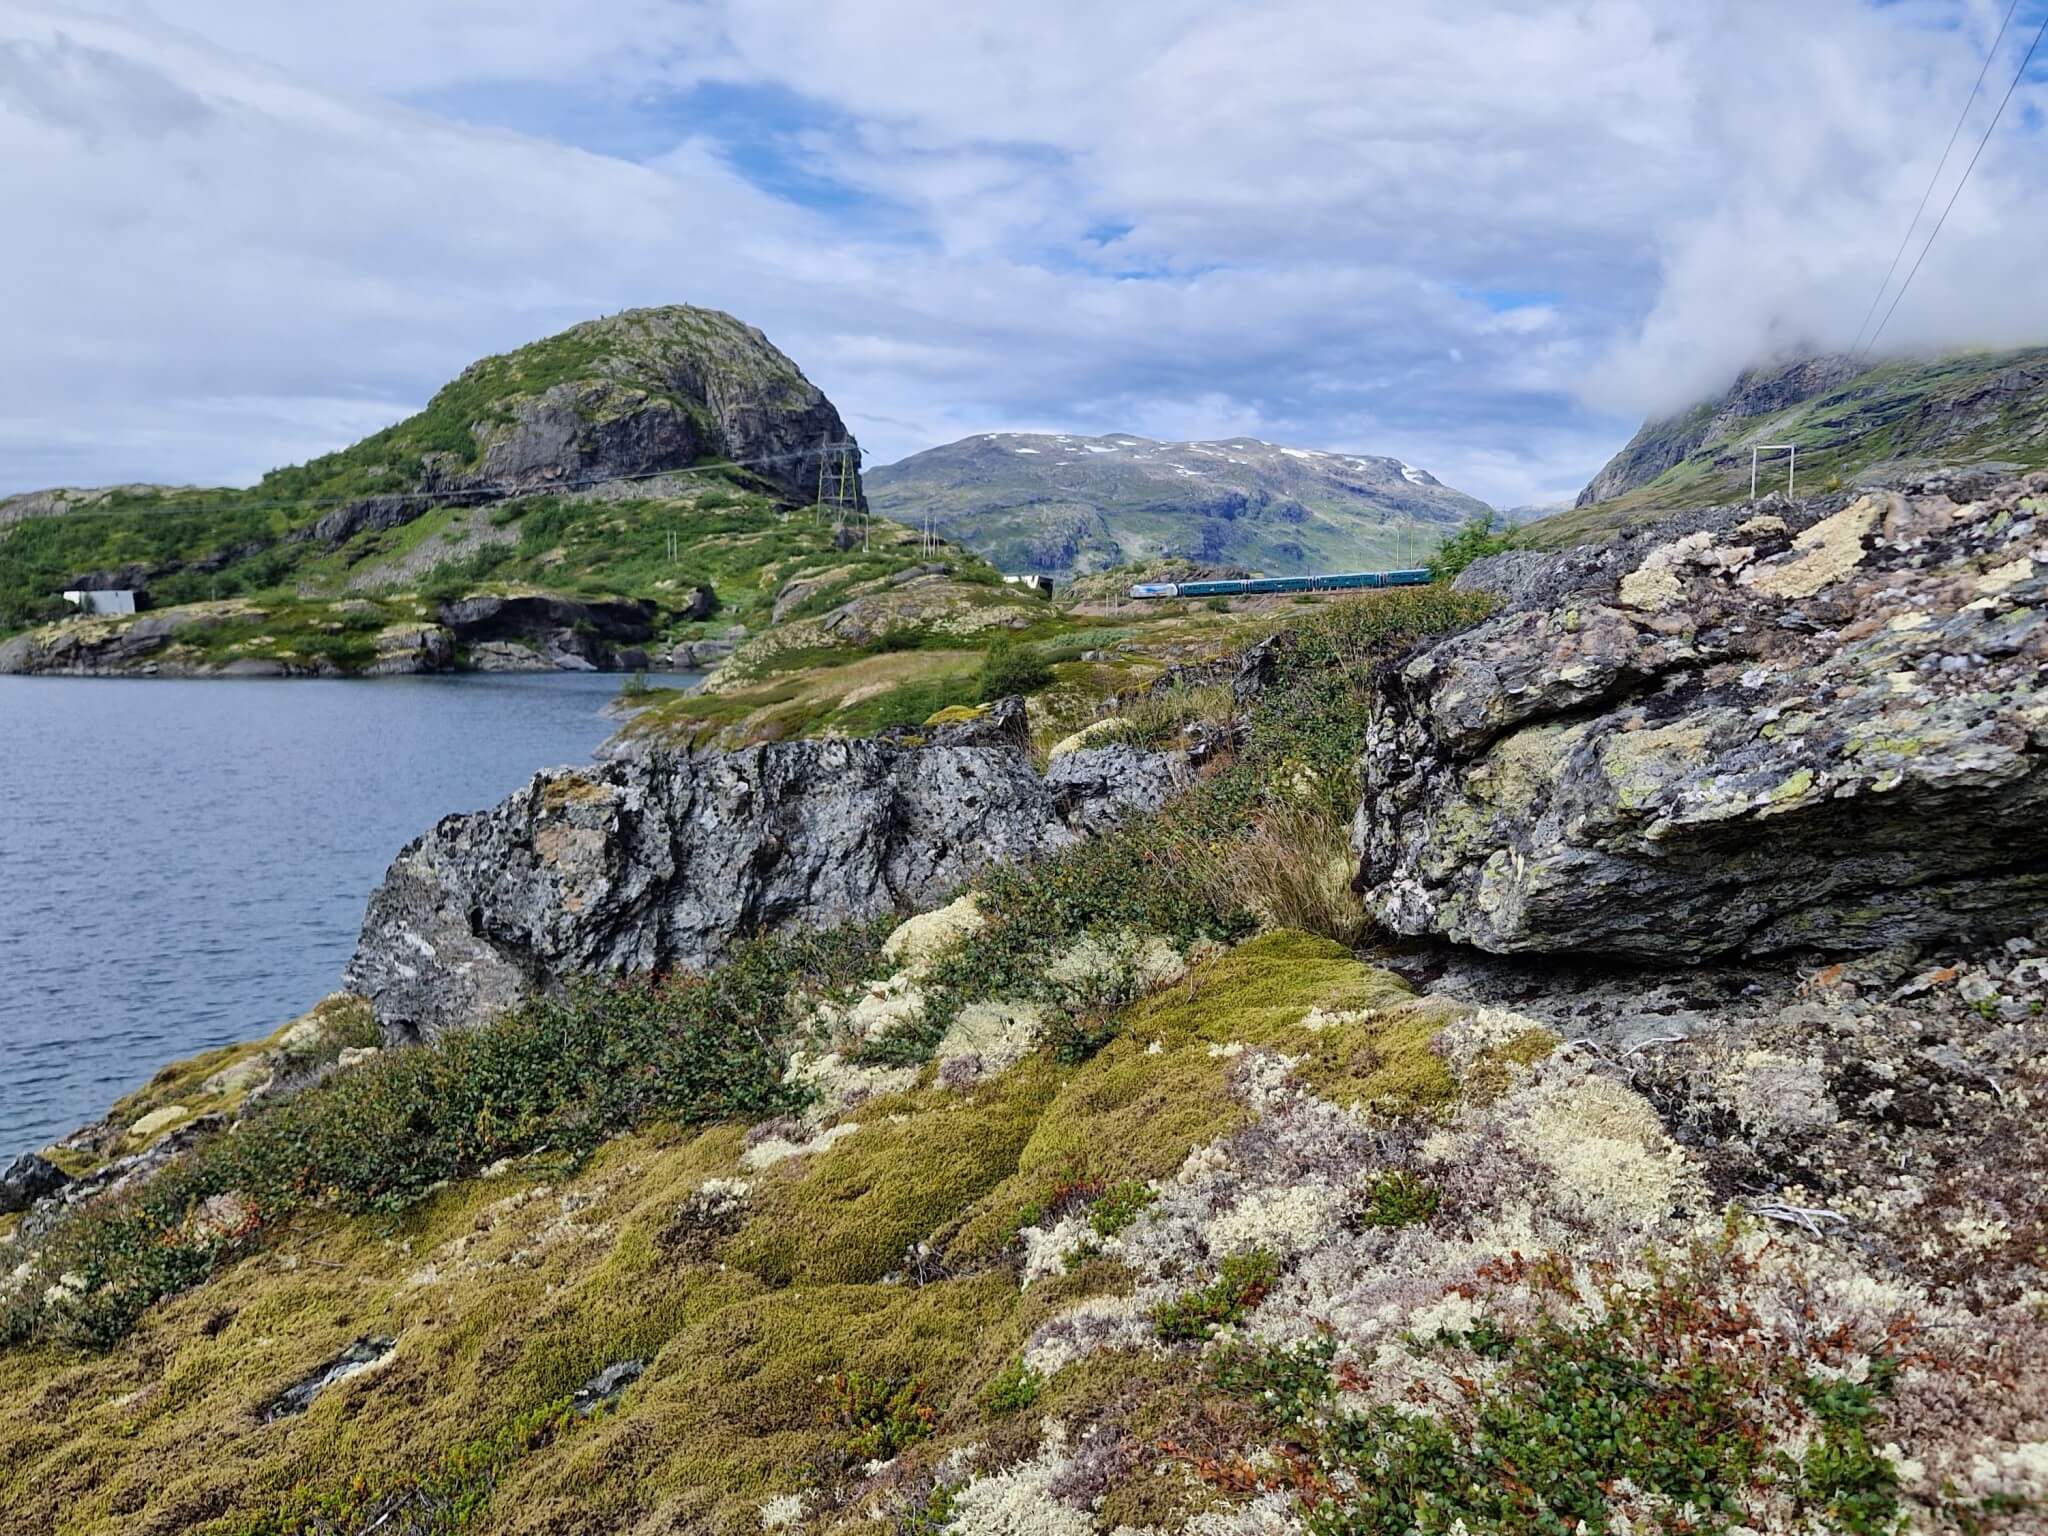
(591, 417)
(596, 499)
(1067, 505)
(1854, 420)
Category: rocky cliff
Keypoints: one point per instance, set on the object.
(1751, 729)
(661, 860)
(629, 395)
(1067, 505)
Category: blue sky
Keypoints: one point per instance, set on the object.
(1486, 238)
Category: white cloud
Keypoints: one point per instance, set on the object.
(1483, 238)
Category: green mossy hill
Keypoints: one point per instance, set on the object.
(884, 1249)
(1854, 422)
(633, 394)
(348, 610)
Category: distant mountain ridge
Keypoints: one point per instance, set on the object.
(1851, 419)
(1068, 504)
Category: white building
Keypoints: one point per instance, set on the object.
(102, 602)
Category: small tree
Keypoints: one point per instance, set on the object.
(1481, 535)
(1008, 669)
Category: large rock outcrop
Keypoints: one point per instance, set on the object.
(1756, 729)
(663, 860)
(637, 393)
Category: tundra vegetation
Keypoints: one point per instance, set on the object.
(1119, 1195)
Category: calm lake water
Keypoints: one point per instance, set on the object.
(184, 864)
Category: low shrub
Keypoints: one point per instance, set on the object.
(1241, 1283)
(561, 1074)
(1397, 1199)
(1119, 1207)
(881, 1418)
(1009, 669)
(1015, 1388)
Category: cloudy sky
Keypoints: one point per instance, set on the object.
(1487, 237)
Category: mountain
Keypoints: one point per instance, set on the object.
(1069, 505)
(628, 397)
(1851, 419)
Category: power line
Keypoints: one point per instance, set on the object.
(1907, 238)
(1990, 128)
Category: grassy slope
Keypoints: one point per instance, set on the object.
(1896, 417)
(509, 1293)
(797, 682)
(742, 545)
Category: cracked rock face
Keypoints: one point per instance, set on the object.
(665, 860)
(1753, 729)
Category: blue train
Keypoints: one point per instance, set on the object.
(1260, 586)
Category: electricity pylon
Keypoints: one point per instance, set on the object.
(839, 487)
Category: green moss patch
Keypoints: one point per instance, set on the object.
(851, 1214)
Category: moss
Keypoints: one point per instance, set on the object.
(1385, 1062)
(1128, 1115)
(565, 790)
(1259, 992)
(849, 1214)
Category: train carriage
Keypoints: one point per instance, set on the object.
(1262, 586)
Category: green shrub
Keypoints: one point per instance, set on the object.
(1075, 1038)
(1482, 535)
(1011, 669)
(1241, 1283)
(1014, 1389)
(1397, 1199)
(564, 1073)
(1119, 1206)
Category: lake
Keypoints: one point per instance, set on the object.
(184, 864)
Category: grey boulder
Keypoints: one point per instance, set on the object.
(1756, 729)
(658, 860)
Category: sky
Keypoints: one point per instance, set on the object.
(1488, 238)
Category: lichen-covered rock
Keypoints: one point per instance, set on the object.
(658, 860)
(1758, 728)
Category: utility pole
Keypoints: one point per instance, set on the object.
(1791, 463)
